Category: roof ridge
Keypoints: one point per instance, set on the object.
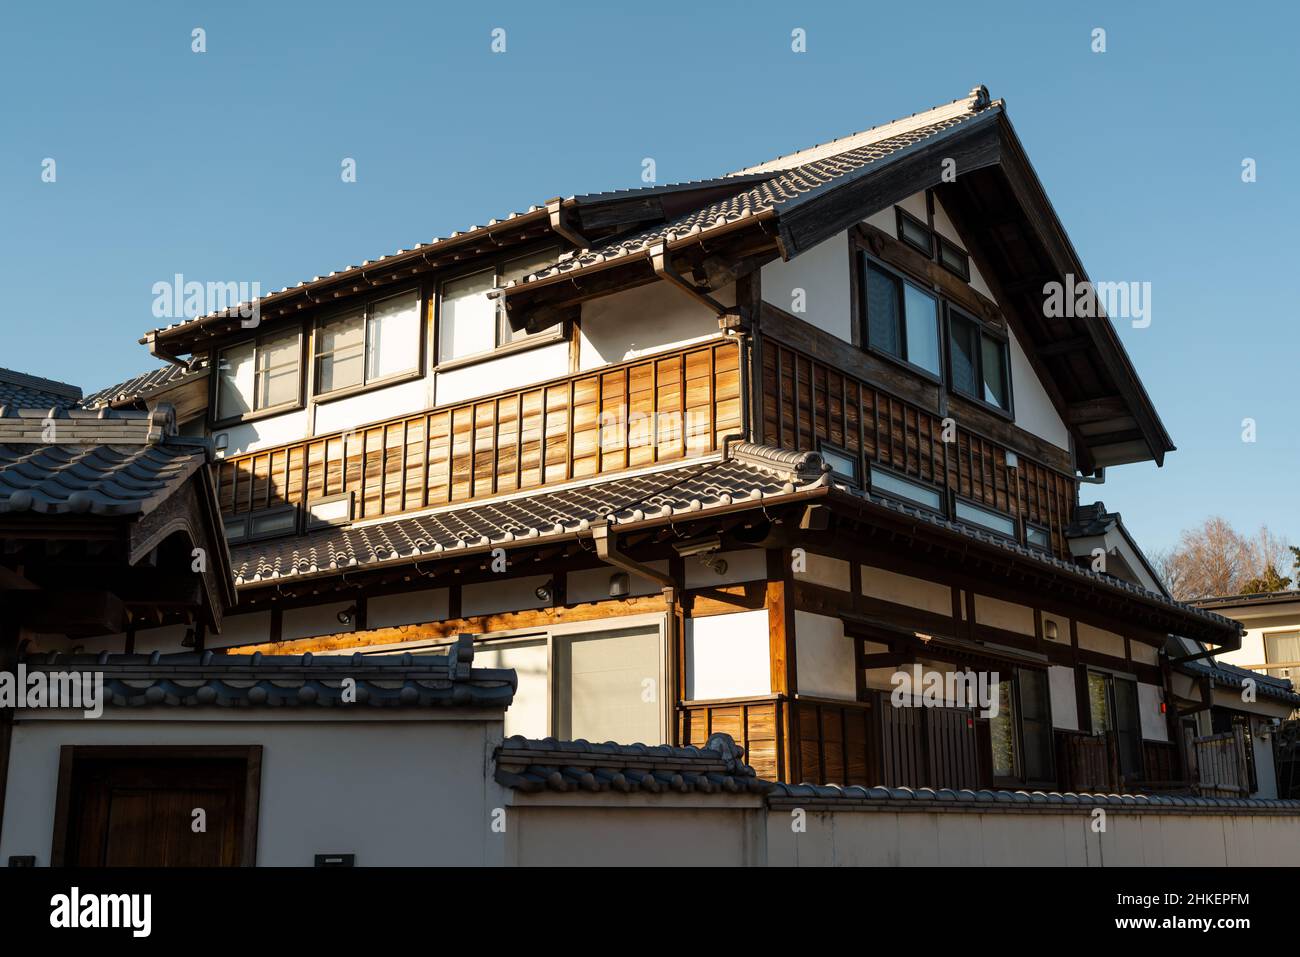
(973, 102)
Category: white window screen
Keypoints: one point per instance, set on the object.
(608, 686)
(394, 340)
(527, 713)
(340, 344)
(277, 370)
(467, 321)
(235, 383)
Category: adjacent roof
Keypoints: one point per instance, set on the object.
(144, 385)
(102, 463)
(533, 766)
(18, 390)
(1279, 689)
(926, 799)
(1093, 521)
(796, 179)
(751, 473)
(291, 681)
(1245, 601)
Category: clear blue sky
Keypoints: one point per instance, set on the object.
(225, 165)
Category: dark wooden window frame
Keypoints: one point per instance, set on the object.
(951, 312)
(1021, 778)
(214, 398)
(942, 243)
(865, 262)
(1016, 536)
(903, 216)
(70, 754)
(365, 307)
(942, 511)
(856, 477)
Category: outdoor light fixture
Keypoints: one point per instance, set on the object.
(190, 639)
(619, 585)
(347, 614)
(1050, 631)
(700, 546)
(543, 591)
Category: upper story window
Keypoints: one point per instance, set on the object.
(370, 344)
(902, 319)
(470, 323)
(977, 360)
(260, 374)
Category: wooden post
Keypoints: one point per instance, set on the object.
(782, 658)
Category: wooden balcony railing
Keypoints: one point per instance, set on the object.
(1221, 767)
(806, 400)
(630, 415)
(927, 747)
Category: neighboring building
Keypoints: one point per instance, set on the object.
(1271, 641)
(722, 456)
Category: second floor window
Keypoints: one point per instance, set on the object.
(902, 319)
(472, 324)
(977, 361)
(375, 342)
(259, 374)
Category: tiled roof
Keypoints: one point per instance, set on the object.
(102, 463)
(1044, 558)
(751, 474)
(142, 385)
(242, 681)
(836, 797)
(18, 390)
(532, 766)
(1266, 685)
(814, 173)
(390, 259)
(1258, 598)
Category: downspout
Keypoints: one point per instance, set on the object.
(607, 551)
(560, 228)
(151, 341)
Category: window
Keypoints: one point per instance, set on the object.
(333, 510)
(887, 483)
(262, 523)
(915, 233)
(902, 319)
(1036, 723)
(1038, 537)
(470, 323)
(977, 361)
(259, 374)
(844, 465)
(601, 681)
(376, 342)
(1002, 733)
(953, 259)
(1113, 707)
(1282, 647)
(985, 518)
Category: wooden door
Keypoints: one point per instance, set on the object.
(137, 810)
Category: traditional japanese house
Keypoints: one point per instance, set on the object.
(719, 456)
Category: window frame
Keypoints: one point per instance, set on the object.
(903, 216)
(943, 241)
(856, 479)
(953, 312)
(870, 487)
(1017, 533)
(559, 332)
(865, 263)
(366, 308)
(293, 405)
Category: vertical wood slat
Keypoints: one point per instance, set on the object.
(478, 443)
(907, 439)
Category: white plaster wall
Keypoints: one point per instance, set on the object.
(1065, 710)
(168, 638)
(394, 792)
(506, 372)
(825, 571)
(407, 608)
(1100, 640)
(1033, 409)
(592, 584)
(744, 565)
(264, 433)
(823, 274)
(643, 320)
(315, 620)
(1006, 615)
(657, 834)
(509, 594)
(405, 398)
(247, 629)
(727, 656)
(906, 590)
(824, 657)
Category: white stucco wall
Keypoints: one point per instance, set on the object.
(822, 276)
(643, 320)
(511, 371)
(403, 791)
(824, 657)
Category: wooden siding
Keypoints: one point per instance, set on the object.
(927, 747)
(611, 419)
(754, 725)
(806, 400)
